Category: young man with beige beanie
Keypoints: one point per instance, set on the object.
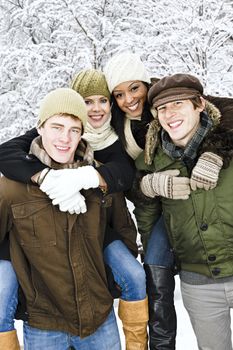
(58, 257)
(199, 224)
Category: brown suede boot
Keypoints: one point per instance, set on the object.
(9, 341)
(134, 317)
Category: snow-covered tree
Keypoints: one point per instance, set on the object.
(196, 38)
(44, 43)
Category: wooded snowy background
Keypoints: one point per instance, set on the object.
(44, 43)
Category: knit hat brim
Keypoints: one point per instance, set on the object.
(90, 82)
(62, 101)
(125, 67)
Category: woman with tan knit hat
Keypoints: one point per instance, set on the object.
(116, 168)
(127, 271)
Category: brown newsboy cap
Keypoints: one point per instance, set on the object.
(174, 87)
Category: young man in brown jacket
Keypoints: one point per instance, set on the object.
(57, 256)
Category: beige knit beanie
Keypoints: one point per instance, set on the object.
(90, 82)
(62, 100)
(125, 67)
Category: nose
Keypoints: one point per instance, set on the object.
(128, 97)
(65, 136)
(170, 111)
(96, 106)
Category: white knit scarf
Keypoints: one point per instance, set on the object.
(132, 147)
(100, 138)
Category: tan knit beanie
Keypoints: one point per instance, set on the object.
(125, 67)
(90, 82)
(62, 100)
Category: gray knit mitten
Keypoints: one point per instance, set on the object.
(206, 171)
(166, 184)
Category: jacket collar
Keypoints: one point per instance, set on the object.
(152, 136)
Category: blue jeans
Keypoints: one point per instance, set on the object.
(8, 296)
(106, 337)
(127, 271)
(158, 250)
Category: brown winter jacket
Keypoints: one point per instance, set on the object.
(58, 257)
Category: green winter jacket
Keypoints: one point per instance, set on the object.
(200, 228)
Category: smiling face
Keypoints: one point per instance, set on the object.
(98, 110)
(60, 137)
(180, 120)
(131, 97)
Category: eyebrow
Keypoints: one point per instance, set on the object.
(101, 97)
(62, 125)
(57, 124)
(134, 82)
(76, 127)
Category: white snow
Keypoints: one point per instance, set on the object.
(43, 44)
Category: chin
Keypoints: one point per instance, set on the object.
(61, 160)
(97, 125)
(136, 114)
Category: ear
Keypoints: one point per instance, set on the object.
(39, 130)
(203, 103)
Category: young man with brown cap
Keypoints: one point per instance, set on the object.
(57, 256)
(200, 224)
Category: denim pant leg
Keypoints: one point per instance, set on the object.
(40, 339)
(158, 250)
(106, 337)
(8, 296)
(127, 271)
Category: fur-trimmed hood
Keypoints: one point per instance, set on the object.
(152, 136)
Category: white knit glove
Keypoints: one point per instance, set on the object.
(74, 205)
(206, 171)
(166, 184)
(62, 184)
